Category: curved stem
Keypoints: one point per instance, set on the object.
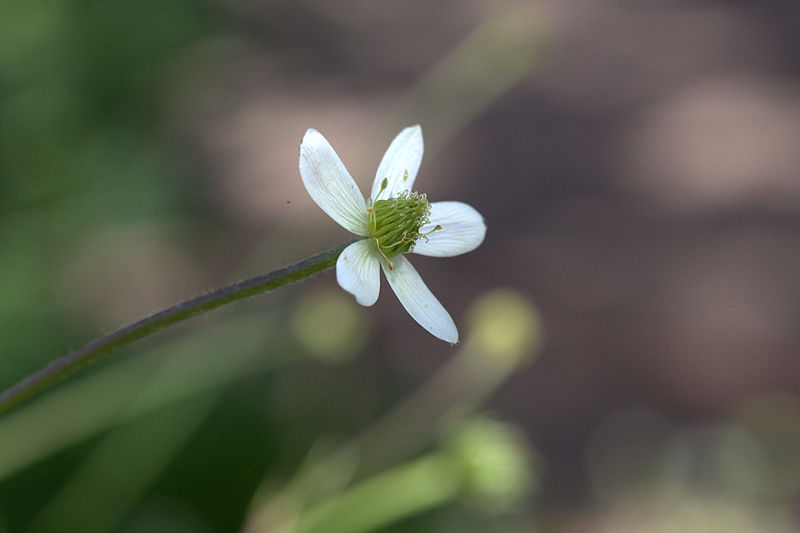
(67, 364)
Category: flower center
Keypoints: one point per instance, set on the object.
(394, 223)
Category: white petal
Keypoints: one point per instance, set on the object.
(418, 300)
(462, 230)
(403, 155)
(330, 185)
(357, 272)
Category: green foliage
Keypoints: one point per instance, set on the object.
(195, 430)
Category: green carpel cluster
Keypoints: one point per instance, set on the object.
(394, 224)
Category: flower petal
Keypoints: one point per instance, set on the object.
(462, 230)
(330, 185)
(403, 155)
(418, 300)
(357, 272)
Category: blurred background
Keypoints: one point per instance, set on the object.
(629, 358)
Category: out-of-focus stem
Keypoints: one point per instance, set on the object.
(403, 491)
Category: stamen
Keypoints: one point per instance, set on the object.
(389, 263)
(394, 223)
(384, 184)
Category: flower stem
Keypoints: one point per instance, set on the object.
(67, 364)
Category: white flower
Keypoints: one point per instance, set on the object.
(394, 221)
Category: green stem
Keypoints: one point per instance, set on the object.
(64, 366)
(403, 491)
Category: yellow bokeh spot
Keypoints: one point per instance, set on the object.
(495, 462)
(330, 326)
(505, 326)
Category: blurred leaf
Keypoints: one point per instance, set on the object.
(133, 387)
